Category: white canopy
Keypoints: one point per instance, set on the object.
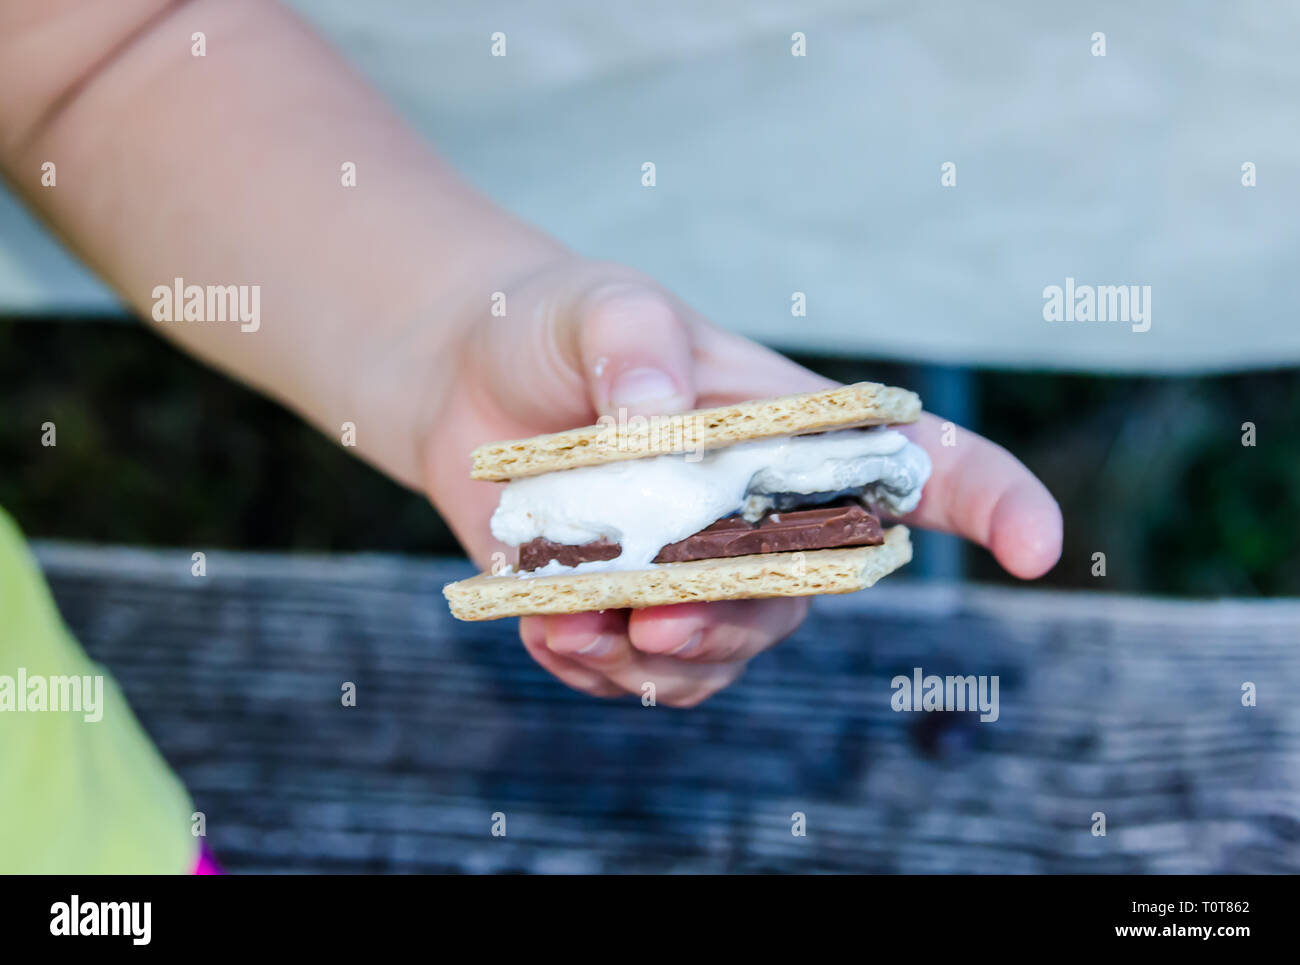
(821, 174)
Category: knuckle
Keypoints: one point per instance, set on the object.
(616, 306)
(703, 689)
(727, 644)
(533, 634)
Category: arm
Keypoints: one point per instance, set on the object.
(225, 169)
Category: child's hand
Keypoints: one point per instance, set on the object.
(343, 266)
(583, 339)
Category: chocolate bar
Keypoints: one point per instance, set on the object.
(539, 552)
(844, 524)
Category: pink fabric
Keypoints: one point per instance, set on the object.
(207, 865)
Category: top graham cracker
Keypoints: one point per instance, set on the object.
(845, 407)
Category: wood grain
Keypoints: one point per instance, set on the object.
(1123, 705)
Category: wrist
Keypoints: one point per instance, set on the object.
(413, 387)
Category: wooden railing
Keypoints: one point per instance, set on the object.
(1126, 707)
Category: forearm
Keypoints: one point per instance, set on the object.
(227, 170)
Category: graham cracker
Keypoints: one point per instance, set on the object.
(848, 406)
(806, 573)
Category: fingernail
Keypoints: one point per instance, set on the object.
(691, 643)
(602, 645)
(638, 387)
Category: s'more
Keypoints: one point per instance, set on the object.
(776, 497)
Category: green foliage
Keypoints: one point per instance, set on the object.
(1153, 473)
(155, 449)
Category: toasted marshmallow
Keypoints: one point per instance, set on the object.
(645, 504)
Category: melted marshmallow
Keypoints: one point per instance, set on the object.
(645, 504)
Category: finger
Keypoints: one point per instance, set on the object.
(635, 349)
(591, 342)
(596, 640)
(980, 491)
(532, 630)
(731, 368)
(598, 643)
(733, 630)
(673, 682)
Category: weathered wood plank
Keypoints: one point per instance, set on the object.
(1123, 705)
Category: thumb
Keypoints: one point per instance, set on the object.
(635, 347)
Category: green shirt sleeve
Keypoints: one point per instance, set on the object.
(82, 788)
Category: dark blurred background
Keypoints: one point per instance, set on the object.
(155, 449)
